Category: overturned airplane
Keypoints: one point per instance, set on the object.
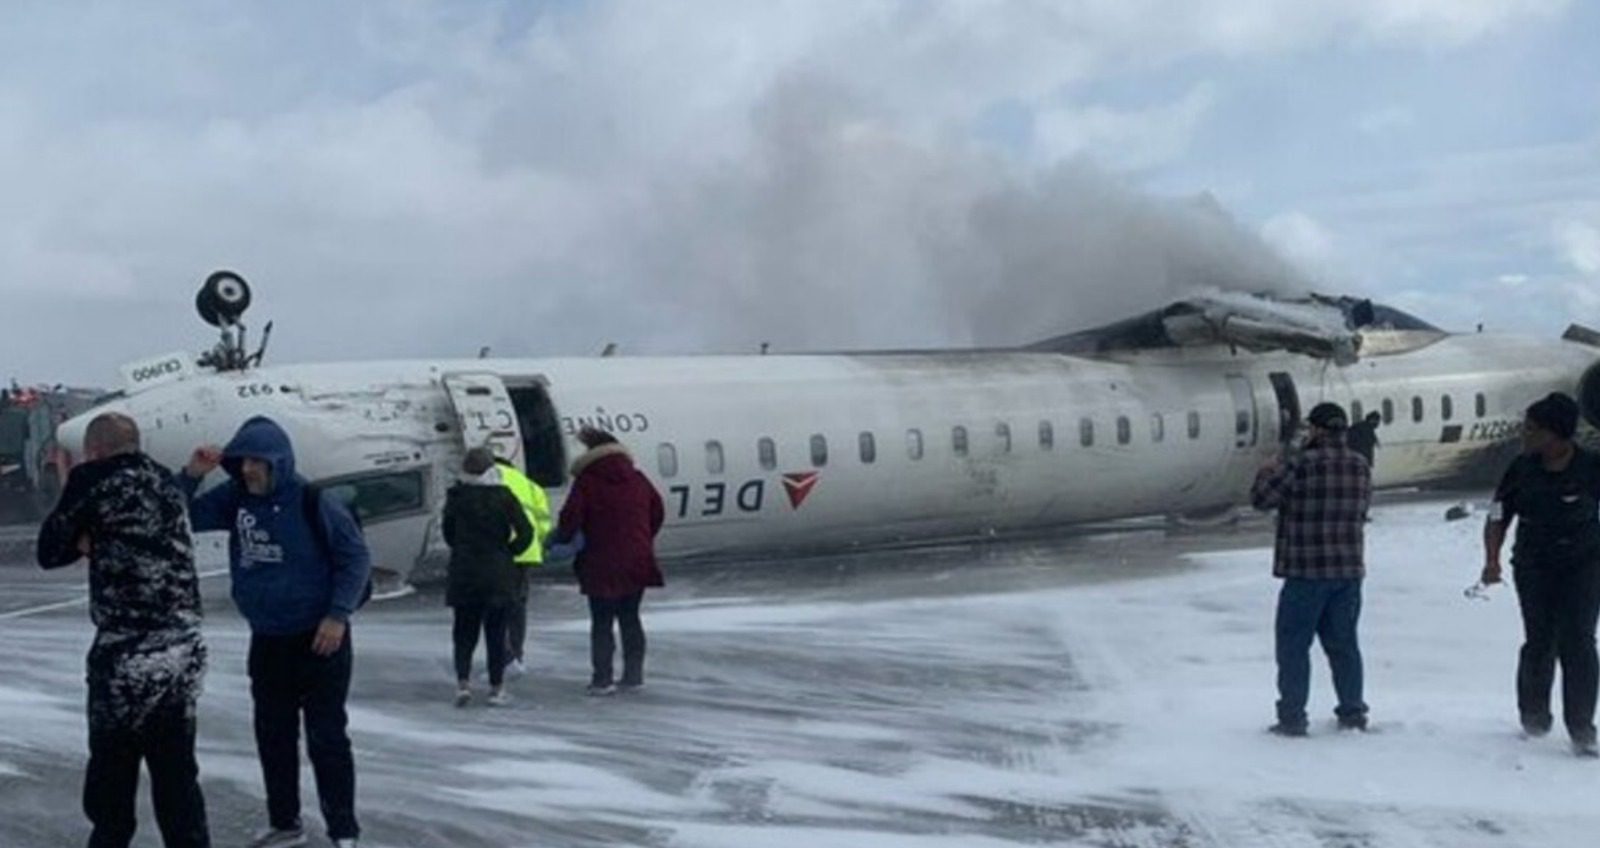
(1167, 413)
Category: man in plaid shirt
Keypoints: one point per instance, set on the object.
(1321, 495)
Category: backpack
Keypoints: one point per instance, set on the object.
(311, 508)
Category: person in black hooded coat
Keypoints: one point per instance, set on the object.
(485, 527)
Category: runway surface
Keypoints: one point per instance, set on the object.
(1102, 690)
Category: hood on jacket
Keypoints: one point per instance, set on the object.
(592, 461)
(261, 438)
(490, 478)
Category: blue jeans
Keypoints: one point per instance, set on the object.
(1328, 610)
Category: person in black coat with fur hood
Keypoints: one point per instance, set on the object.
(485, 527)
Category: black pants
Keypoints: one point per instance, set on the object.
(165, 745)
(472, 619)
(1560, 605)
(623, 613)
(288, 681)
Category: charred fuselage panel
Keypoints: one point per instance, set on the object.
(1332, 328)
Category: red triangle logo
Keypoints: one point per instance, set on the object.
(799, 486)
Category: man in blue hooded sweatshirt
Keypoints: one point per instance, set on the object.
(297, 585)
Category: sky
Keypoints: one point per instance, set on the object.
(427, 178)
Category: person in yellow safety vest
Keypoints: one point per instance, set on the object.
(537, 506)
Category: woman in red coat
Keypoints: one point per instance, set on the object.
(619, 513)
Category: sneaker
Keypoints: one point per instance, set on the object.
(1584, 745)
(515, 670)
(1293, 731)
(344, 843)
(628, 687)
(463, 697)
(1353, 722)
(279, 838)
(598, 691)
(499, 698)
(1535, 729)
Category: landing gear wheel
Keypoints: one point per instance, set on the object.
(223, 299)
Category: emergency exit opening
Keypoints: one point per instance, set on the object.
(543, 448)
(1245, 427)
(1288, 405)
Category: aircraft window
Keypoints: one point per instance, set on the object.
(869, 449)
(914, 444)
(1002, 433)
(1047, 436)
(377, 497)
(1194, 425)
(1086, 432)
(1355, 411)
(1482, 404)
(1447, 407)
(1124, 430)
(958, 441)
(1158, 428)
(667, 460)
(1417, 412)
(767, 453)
(1388, 411)
(715, 462)
(819, 450)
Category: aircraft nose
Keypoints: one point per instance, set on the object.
(70, 433)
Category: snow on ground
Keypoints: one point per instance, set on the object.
(1106, 691)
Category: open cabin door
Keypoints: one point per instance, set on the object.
(543, 437)
(1246, 429)
(486, 415)
(1289, 413)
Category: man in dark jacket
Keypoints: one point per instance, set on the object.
(1363, 437)
(1553, 493)
(1321, 494)
(485, 527)
(147, 660)
(297, 585)
(619, 514)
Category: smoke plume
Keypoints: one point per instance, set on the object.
(836, 231)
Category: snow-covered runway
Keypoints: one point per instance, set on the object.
(1101, 691)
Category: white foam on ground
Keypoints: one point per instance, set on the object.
(907, 722)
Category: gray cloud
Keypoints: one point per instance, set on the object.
(424, 178)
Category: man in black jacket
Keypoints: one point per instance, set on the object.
(123, 510)
(1552, 492)
(1363, 437)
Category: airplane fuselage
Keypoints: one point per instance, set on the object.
(761, 453)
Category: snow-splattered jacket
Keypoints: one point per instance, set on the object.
(144, 594)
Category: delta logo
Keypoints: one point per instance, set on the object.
(800, 486)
